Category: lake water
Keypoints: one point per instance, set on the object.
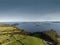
(37, 26)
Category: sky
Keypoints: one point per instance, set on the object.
(29, 10)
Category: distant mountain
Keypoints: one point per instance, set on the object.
(56, 22)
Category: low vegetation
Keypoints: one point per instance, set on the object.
(16, 36)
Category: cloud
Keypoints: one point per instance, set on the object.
(29, 10)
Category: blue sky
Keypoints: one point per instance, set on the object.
(29, 10)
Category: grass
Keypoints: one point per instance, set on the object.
(26, 40)
(33, 41)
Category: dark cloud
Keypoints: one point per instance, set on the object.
(30, 8)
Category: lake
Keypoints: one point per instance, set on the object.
(37, 26)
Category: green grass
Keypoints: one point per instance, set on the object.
(33, 41)
(27, 40)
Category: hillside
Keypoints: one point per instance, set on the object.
(58, 38)
(49, 37)
(20, 40)
(52, 34)
(11, 35)
(58, 41)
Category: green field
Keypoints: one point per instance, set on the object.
(20, 40)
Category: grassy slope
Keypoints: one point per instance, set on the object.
(26, 40)
(58, 41)
(58, 38)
